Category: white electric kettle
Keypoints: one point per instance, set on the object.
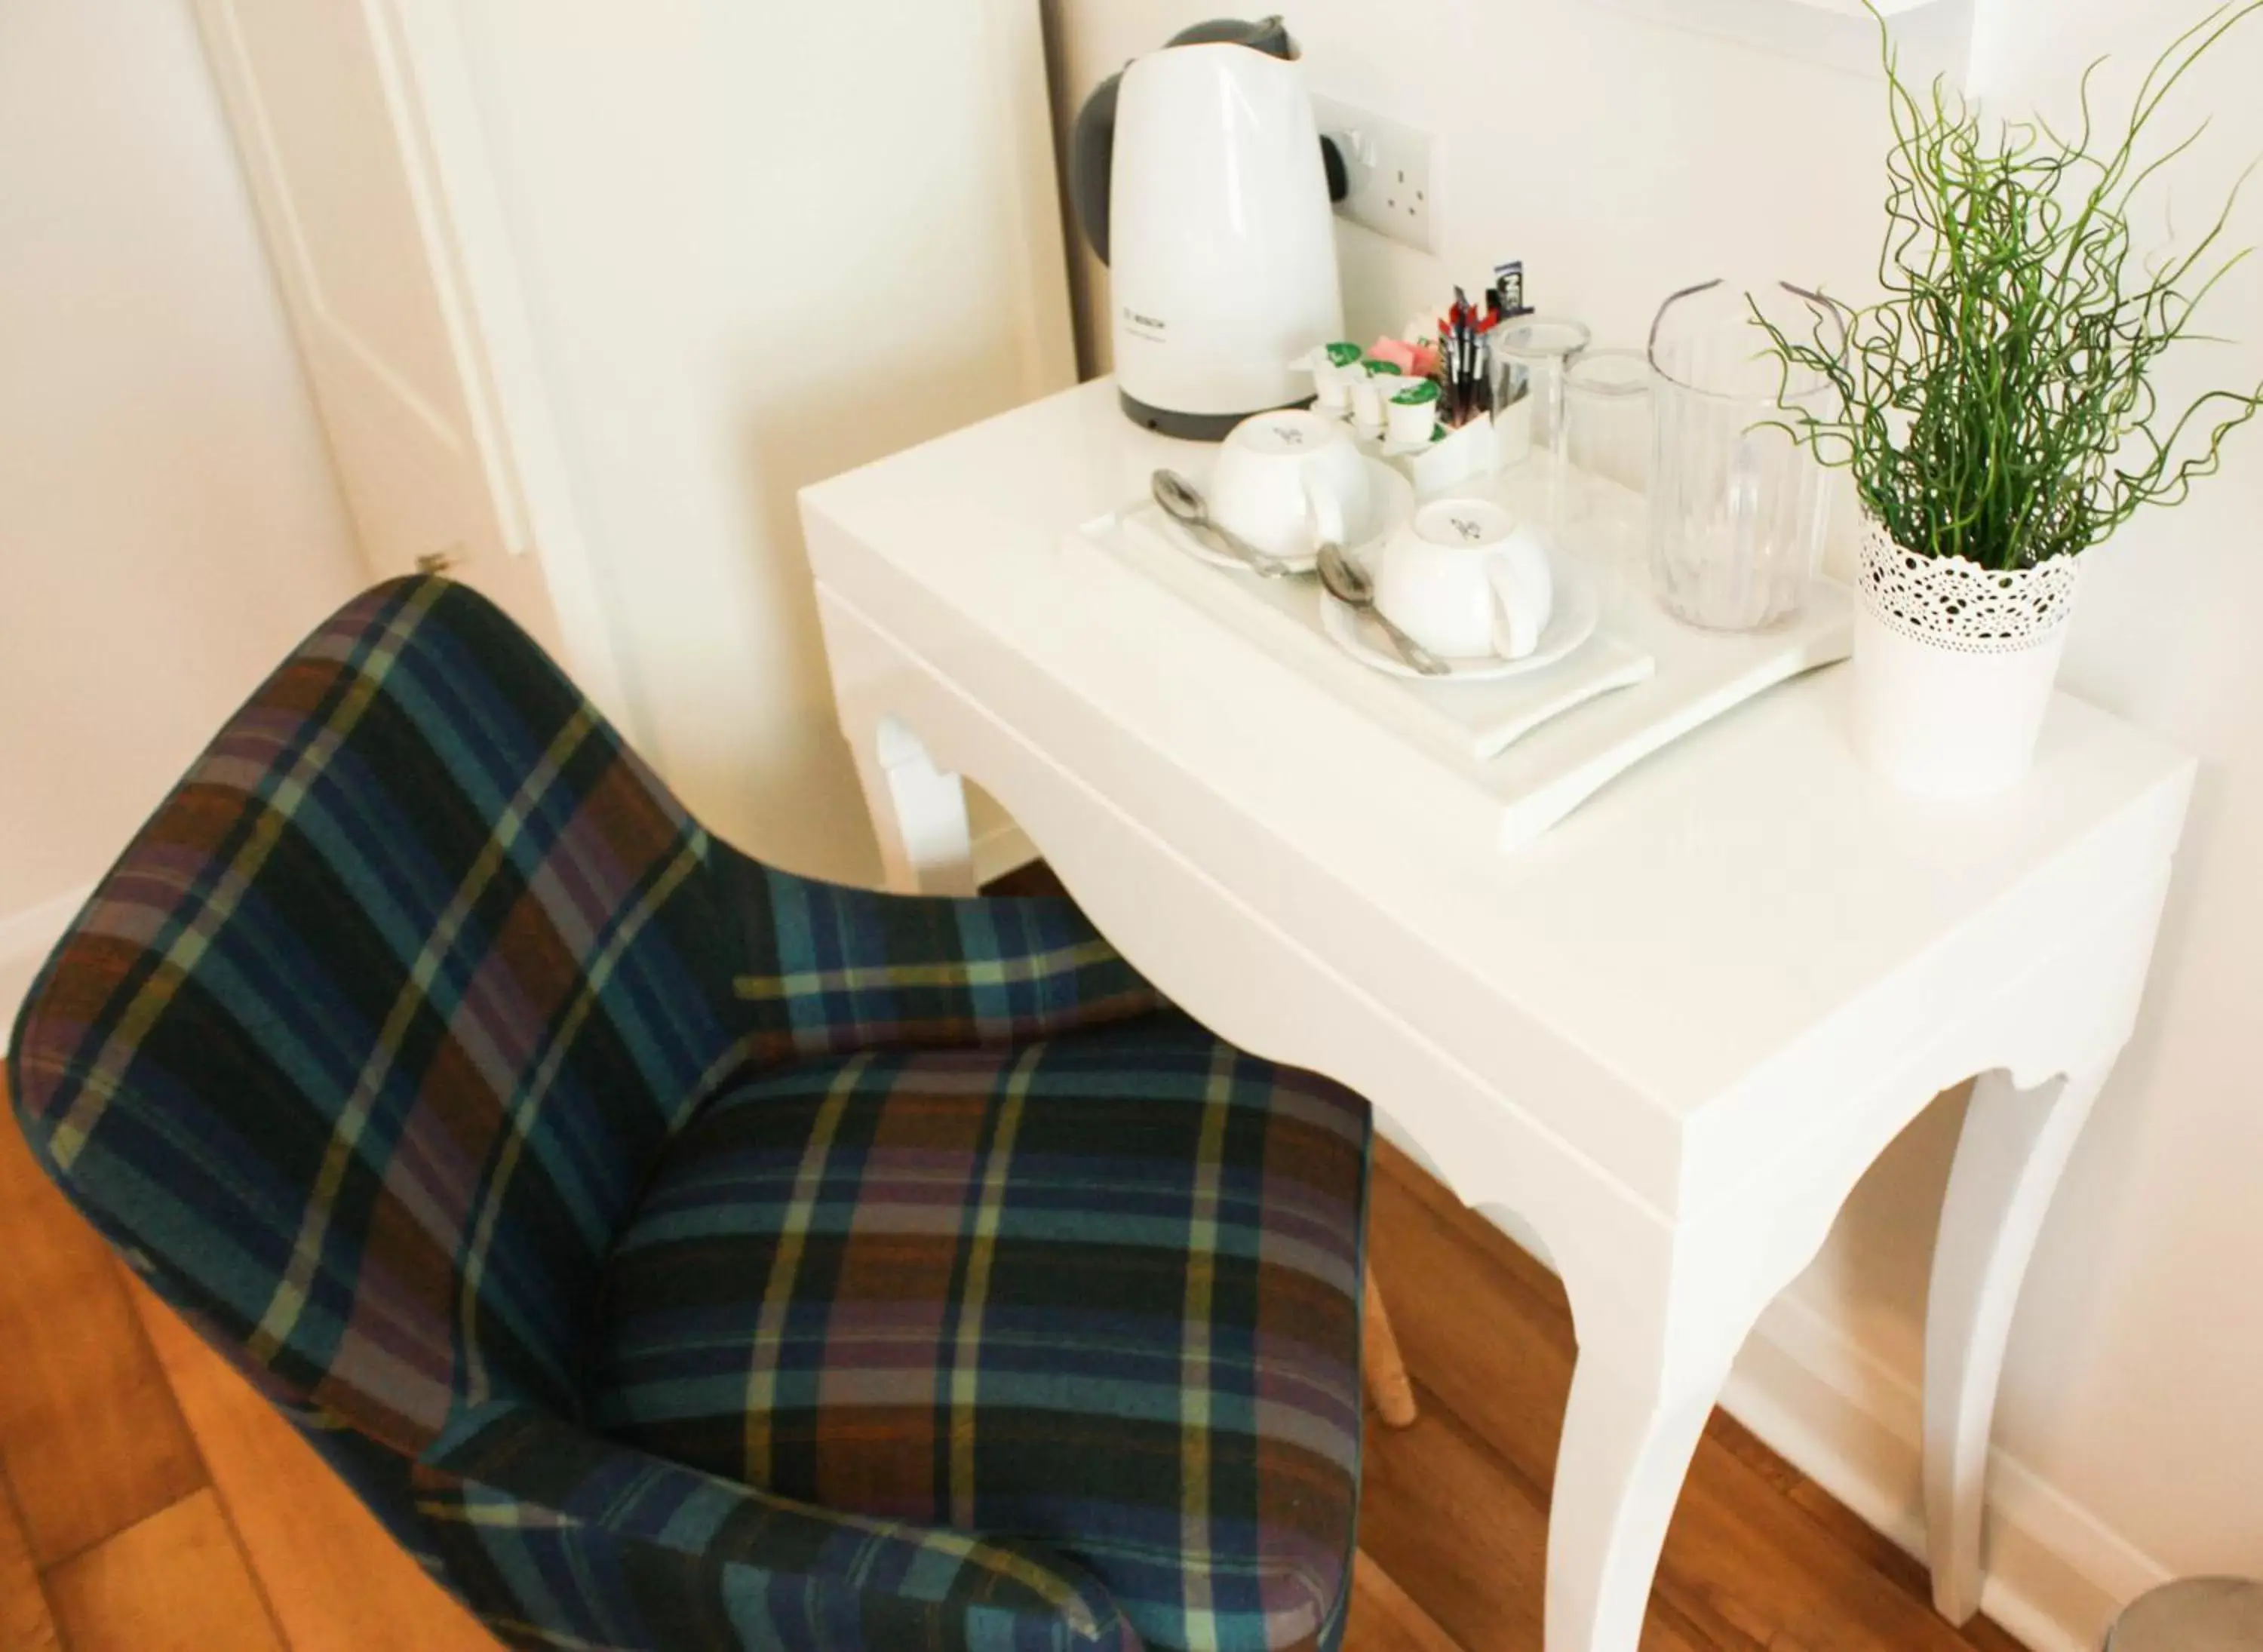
(1204, 185)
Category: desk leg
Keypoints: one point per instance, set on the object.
(1628, 1438)
(2008, 1161)
(918, 813)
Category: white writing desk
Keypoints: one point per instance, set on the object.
(1670, 1035)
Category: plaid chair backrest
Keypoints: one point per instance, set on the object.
(363, 1048)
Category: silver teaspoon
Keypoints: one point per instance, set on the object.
(1183, 502)
(1348, 582)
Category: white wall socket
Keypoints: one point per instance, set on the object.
(1389, 164)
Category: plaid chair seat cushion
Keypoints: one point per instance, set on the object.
(1101, 1292)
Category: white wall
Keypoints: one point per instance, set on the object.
(758, 250)
(1622, 159)
(169, 523)
(2135, 1385)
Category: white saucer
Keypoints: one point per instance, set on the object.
(1571, 623)
(1390, 502)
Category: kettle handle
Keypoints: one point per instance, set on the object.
(1091, 155)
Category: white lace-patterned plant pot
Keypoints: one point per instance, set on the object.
(1953, 664)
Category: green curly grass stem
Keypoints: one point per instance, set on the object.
(1997, 403)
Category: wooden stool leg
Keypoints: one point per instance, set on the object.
(1387, 1382)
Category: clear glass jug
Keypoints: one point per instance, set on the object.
(1738, 510)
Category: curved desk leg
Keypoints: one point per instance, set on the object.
(2008, 1160)
(918, 813)
(1627, 1443)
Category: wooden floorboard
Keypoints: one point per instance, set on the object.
(1457, 1526)
(336, 1581)
(91, 1437)
(150, 1500)
(175, 1583)
(1384, 1617)
(25, 1623)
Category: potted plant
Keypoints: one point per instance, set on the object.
(1997, 407)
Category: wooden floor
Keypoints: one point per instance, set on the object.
(151, 1503)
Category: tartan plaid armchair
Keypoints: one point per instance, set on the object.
(674, 1253)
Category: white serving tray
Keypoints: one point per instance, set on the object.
(1471, 721)
(1566, 734)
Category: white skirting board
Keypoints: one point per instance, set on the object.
(2056, 1575)
(27, 937)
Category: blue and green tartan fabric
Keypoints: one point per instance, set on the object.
(677, 1254)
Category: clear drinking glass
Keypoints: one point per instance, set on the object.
(1738, 510)
(1607, 417)
(1529, 357)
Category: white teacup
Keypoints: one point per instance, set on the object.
(1464, 580)
(1288, 480)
